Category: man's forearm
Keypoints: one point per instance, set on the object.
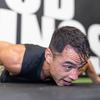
(92, 73)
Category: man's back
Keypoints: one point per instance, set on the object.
(31, 66)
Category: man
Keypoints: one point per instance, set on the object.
(64, 60)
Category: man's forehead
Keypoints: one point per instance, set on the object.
(70, 54)
(69, 49)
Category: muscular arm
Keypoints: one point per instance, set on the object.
(89, 69)
(11, 56)
(3, 45)
(91, 73)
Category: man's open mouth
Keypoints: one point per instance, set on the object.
(66, 83)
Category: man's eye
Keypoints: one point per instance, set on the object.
(68, 68)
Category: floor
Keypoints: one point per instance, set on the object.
(9, 91)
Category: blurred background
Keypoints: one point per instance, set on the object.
(34, 21)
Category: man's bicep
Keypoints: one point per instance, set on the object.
(12, 57)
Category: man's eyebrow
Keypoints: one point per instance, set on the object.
(75, 65)
(71, 63)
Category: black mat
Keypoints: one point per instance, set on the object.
(49, 92)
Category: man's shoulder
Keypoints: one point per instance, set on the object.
(34, 46)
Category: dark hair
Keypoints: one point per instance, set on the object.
(70, 36)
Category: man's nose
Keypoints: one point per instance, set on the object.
(73, 74)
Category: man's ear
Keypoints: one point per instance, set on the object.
(48, 55)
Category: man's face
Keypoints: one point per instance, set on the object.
(64, 68)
